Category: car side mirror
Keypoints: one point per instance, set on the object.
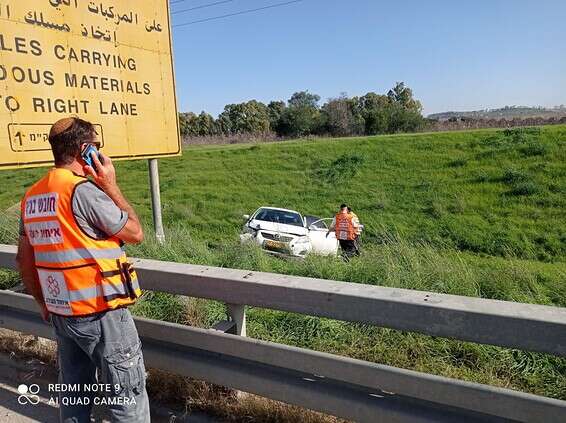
(246, 217)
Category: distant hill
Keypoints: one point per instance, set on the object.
(507, 112)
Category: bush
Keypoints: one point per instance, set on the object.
(458, 162)
(512, 176)
(557, 189)
(435, 209)
(521, 135)
(345, 166)
(533, 149)
(524, 188)
(481, 176)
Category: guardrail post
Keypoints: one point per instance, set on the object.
(237, 314)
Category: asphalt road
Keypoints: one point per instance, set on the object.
(14, 372)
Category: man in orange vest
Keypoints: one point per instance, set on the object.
(71, 260)
(346, 227)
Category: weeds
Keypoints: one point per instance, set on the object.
(524, 188)
(344, 167)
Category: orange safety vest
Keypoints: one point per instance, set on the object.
(344, 228)
(355, 217)
(79, 275)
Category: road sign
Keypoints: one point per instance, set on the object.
(105, 61)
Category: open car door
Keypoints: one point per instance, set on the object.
(318, 229)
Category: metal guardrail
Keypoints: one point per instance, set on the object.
(345, 387)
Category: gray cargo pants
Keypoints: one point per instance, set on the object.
(106, 342)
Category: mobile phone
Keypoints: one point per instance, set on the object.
(86, 154)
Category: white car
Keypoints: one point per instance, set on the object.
(287, 232)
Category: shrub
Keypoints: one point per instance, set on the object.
(345, 166)
(481, 176)
(435, 209)
(520, 135)
(557, 189)
(458, 162)
(524, 188)
(513, 176)
(533, 149)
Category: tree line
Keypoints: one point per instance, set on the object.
(302, 115)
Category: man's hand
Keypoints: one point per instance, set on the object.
(105, 175)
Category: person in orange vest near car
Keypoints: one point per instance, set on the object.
(358, 228)
(346, 227)
(71, 260)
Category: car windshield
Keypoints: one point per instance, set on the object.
(279, 216)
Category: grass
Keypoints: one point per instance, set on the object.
(477, 213)
(450, 189)
(402, 264)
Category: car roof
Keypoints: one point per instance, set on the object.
(278, 208)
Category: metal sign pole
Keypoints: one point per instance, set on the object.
(156, 200)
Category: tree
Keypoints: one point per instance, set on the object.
(205, 125)
(299, 121)
(405, 111)
(404, 120)
(185, 123)
(192, 125)
(275, 110)
(341, 116)
(304, 99)
(245, 118)
(403, 96)
(397, 111)
(302, 116)
(374, 109)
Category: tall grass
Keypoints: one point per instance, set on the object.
(398, 263)
(393, 262)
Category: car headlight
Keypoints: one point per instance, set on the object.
(250, 230)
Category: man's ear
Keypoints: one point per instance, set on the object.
(79, 158)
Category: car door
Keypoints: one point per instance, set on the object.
(321, 243)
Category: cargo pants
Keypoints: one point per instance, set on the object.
(106, 343)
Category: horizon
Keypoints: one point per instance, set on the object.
(488, 56)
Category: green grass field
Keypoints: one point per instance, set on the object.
(479, 213)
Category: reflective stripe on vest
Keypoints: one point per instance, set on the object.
(65, 256)
(104, 290)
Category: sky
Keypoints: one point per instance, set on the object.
(454, 55)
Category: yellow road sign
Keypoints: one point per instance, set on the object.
(105, 61)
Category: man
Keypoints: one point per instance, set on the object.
(346, 228)
(358, 228)
(70, 259)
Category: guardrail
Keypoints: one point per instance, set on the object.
(345, 387)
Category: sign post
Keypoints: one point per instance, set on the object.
(156, 200)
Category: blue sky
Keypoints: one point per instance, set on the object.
(455, 55)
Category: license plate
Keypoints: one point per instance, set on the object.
(275, 245)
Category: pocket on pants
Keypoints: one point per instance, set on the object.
(125, 370)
